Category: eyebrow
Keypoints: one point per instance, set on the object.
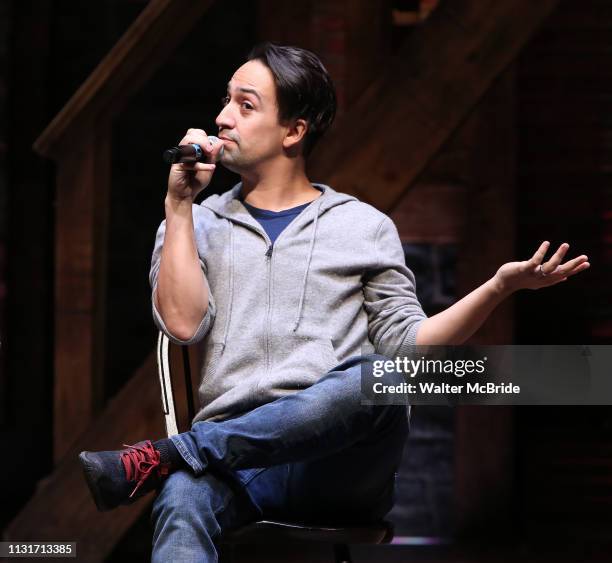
(246, 91)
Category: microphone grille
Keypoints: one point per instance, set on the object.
(172, 155)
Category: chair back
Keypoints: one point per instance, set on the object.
(176, 385)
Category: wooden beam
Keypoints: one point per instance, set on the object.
(272, 19)
(368, 45)
(142, 49)
(83, 185)
(352, 37)
(432, 213)
(383, 143)
(61, 508)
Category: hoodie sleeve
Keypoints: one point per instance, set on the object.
(208, 319)
(394, 312)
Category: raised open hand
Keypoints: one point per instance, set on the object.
(533, 274)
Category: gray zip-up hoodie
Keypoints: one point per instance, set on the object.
(333, 285)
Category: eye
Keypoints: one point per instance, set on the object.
(247, 105)
(225, 100)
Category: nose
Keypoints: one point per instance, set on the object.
(225, 119)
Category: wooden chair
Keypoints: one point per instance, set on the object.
(178, 416)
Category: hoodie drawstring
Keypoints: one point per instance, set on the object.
(230, 302)
(303, 292)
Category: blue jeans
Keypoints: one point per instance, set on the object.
(318, 455)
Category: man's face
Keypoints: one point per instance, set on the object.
(248, 122)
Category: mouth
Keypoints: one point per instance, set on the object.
(227, 140)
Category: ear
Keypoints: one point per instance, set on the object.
(295, 133)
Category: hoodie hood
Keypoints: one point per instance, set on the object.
(228, 204)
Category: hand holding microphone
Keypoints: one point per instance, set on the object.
(191, 153)
(192, 164)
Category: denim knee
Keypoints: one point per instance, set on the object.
(186, 500)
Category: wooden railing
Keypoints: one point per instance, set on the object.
(78, 139)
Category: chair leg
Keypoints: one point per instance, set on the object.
(342, 553)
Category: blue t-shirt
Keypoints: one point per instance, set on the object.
(273, 222)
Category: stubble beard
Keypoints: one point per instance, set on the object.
(235, 161)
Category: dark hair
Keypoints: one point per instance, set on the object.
(304, 88)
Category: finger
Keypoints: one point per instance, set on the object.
(197, 137)
(540, 253)
(183, 165)
(555, 260)
(200, 135)
(201, 138)
(197, 133)
(203, 167)
(571, 264)
(211, 149)
(580, 268)
(194, 167)
(197, 140)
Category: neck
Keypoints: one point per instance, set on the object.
(278, 185)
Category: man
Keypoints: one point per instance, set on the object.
(294, 289)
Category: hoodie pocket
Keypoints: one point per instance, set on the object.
(297, 362)
(230, 375)
(211, 361)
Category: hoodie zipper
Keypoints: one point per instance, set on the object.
(268, 254)
(267, 331)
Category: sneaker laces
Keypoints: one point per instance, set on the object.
(139, 461)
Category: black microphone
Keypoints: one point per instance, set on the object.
(190, 153)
